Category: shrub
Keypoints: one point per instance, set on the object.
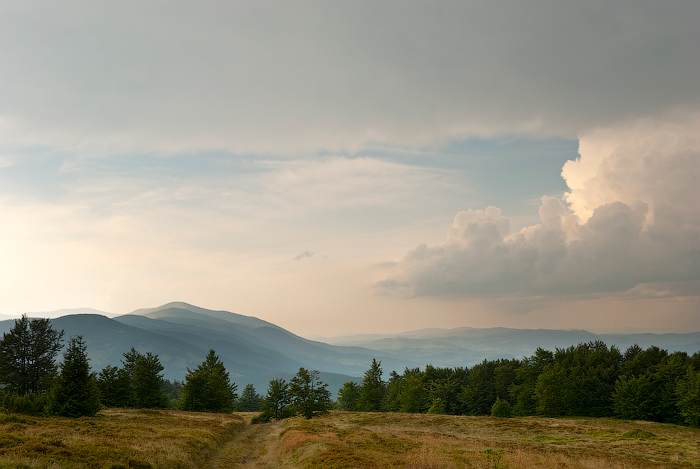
(501, 409)
(29, 404)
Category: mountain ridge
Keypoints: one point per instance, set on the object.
(256, 351)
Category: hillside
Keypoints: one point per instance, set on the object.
(468, 346)
(256, 351)
(172, 439)
(184, 345)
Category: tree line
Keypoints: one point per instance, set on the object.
(588, 380)
(31, 381)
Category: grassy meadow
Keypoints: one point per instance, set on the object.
(120, 438)
(116, 438)
(384, 440)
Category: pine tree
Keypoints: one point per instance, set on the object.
(373, 388)
(28, 355)
(148, 382)
(75, 392)
(310, 395)
(115, 387)
(208, 387)
(276, 404)
(349, 396)
(249, 401)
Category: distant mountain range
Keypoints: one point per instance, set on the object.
(255, 351)
(467, 346)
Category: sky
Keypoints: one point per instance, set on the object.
(342, 167)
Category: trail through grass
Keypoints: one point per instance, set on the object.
(248, 449)
(121, 438)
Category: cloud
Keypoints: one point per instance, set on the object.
(268, 77)
(632, 217)
(303, 255)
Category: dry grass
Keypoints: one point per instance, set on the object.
(376, 440)
(116, 437)
(172, 439)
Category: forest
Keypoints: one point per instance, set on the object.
(587, 380)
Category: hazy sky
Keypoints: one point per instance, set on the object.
(354, 166)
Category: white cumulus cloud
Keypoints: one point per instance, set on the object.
(632, 217)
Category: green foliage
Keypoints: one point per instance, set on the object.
(412, 395)
(501, 409)
(139, 383)
(28, 355)
(29, 404)
(148, 383)
(651, 393)
(437, 407)
(173, 389)
(494, 456)
(479, 393)
(688, 398)
(392, 402)
(114, 385)
(373, 388)
(555, 391)
(276, 403)
(581, 381)
(309, 395)
(250, 400)
(635, 398)
(444, 384)
(208, 388)
(75, 392)
(522, 391)
(349, 396)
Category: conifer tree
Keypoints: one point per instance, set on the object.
(349, 396)
(148, 382)
(310, 395)
(28, 355)
(276, 404)
(75, 392)
(208, 388)
(249, 401)
(373, 388)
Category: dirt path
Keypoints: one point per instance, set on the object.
(248, 449)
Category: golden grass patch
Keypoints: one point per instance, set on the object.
(115, 437)
(378, 440)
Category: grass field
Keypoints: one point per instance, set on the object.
(116, 438)
(432, 441)
(122, 438)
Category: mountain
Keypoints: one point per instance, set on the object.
(256, 351)
(252, 341)
(467, 346)
(64, 312)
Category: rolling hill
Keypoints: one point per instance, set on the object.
(256, 351)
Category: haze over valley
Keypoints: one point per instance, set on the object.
(256, 351)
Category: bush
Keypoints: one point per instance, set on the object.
(501, 409)
(29, 404)
(263, 417)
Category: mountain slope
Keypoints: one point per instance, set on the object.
(198, 325)
(467, 346)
